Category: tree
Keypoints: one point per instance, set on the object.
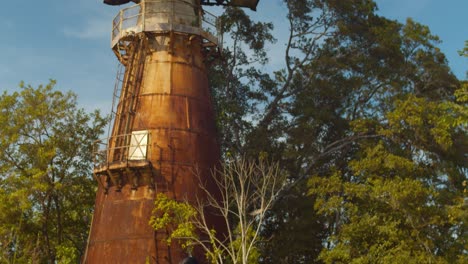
(46, 188)
(233, 76)
(344, 65)
(464, 51)
(246, 192)
(402, 200)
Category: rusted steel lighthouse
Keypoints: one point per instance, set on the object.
(162, 125)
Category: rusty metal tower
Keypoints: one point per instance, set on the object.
(163, 125)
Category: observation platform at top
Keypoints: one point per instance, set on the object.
(164, 16)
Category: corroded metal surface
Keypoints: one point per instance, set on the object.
(166, 93)
(163, 16)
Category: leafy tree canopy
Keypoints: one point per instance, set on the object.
(46, 188)
(370, 124)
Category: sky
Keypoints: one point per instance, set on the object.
(69, 41)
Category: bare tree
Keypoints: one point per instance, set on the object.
(246, 191)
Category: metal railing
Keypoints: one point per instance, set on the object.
(122, 148)
(163, 16)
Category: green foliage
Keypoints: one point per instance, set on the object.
(66, 254)
(369, 105)
(244, 194)
(46, 188)
(464, 51)
(398, 203)
(176, 218)
(254, 254)
(428, 122)
(232, 77)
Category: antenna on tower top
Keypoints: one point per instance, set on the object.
(252, 4)
(120, 2)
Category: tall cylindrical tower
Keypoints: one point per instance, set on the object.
(163, 128)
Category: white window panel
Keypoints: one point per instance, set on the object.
(138, 145)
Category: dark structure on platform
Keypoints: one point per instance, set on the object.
(252, 4)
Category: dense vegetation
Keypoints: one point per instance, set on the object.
(366, 119)
(370, 125)
(46, 188)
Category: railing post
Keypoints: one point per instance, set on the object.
(112, 33)
(200, 18)
(172, 16)
(219, 35)
(143, 11)
(120, 22)
(108, 149)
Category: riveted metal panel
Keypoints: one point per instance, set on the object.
(171, 101)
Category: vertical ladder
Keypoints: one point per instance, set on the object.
(134, 60)
(116, 96)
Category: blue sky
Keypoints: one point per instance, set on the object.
(68, 40)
